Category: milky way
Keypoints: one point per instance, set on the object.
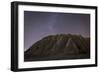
(40, 24)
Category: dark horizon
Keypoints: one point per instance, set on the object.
(40, 24)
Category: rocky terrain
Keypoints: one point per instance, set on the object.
(59, 47)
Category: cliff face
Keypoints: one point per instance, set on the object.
(56, 47)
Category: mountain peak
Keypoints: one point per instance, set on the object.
(60, 46)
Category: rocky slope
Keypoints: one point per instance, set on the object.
(57, 47)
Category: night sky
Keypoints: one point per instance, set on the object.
(41, 24)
